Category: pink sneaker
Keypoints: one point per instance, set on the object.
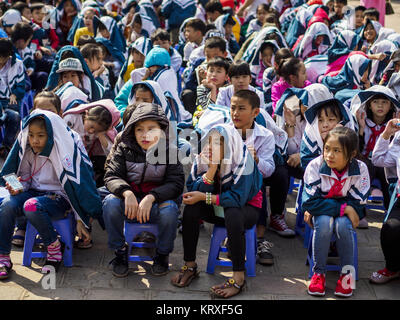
(278, 224)
(317, 285)
(343, 288)
(383, 276)
(5, 266)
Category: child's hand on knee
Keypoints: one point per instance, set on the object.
(352, 215)
(131, 204)
(143, 212)
(308, 219)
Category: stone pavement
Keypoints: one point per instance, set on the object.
(90, 277)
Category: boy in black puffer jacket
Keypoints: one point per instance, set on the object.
(144, 186)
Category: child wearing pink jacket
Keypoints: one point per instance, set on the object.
(293, 74)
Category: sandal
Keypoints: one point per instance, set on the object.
(383, 276)
(228, 284)
(182, 273)
(83, 244)
(18, 240)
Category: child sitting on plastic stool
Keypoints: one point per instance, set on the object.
(224, 174)
(56, 179)
(336, 188)
(144, 188)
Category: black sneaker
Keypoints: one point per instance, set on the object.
(264, 254)
(160, 265)
(120, 262)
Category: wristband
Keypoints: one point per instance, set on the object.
(217, 200)
(342, 207)
(208, 198)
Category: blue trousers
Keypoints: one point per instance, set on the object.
(40, 208)
(324, 226)
(165, 215)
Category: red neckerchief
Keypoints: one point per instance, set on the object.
(336, 189)
(372, 139)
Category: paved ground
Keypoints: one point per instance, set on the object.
(90, 277)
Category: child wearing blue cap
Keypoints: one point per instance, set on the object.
(158, 68)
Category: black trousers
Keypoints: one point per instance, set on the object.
(236, 221)
(390, 239)
(279, 183)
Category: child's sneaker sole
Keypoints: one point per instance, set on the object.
(343, 295)
(289, 233)
(318, 294)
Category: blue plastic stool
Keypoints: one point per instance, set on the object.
(219, 235)
(293, 185)
(65, 229)
(130, 232)
(376, 206)
(329, 267)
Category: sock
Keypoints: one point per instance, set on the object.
(54, 253)
(5, 261)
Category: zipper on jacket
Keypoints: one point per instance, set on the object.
(142, 178)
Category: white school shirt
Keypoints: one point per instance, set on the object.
(294, 142)
(263, 141)
(45, 179)
(176, 60)
(189, 47)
